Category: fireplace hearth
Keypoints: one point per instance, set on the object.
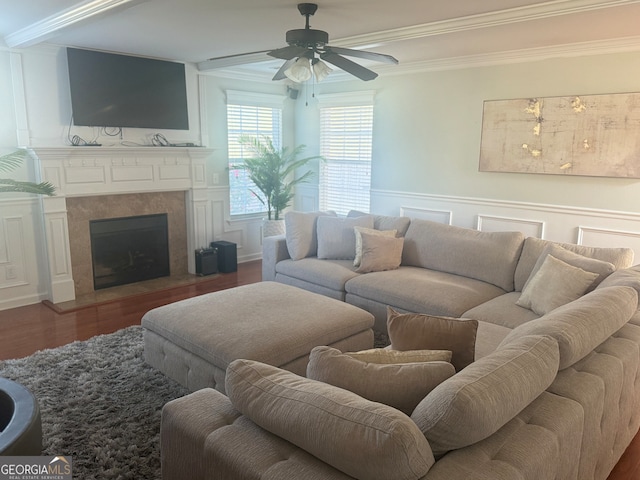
(129, 249)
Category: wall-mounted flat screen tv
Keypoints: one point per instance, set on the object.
(114, 90)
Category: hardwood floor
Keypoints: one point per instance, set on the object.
(25, 330)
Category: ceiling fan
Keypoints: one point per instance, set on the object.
(307, 52)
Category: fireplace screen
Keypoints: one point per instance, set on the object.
(130, 249)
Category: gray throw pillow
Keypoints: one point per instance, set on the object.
(602, 268)
(556, 283)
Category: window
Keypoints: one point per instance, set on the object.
(346, 134)
(255, 115)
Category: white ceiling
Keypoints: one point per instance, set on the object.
(416, 32)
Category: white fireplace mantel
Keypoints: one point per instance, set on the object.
(89, 171)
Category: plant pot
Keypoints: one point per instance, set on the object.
(271, 228)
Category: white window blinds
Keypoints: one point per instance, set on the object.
(346, 134)
(256, 115)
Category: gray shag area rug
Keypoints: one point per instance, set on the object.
(101, 403)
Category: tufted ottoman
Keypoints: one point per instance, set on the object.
(192, 341)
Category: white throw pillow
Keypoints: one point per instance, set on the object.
(556, 283)
(387, 356)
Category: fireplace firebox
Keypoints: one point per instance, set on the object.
(129, 249)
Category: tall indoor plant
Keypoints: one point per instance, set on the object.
(272, 172)
(9, 162)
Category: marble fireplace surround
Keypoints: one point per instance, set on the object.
(101, 182)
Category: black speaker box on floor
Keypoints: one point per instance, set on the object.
(227, 256)
(206, 261)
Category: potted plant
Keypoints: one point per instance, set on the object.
(11, 161)
(272, 172)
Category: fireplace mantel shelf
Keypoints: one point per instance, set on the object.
(120, 149)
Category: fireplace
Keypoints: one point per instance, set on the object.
(119, 182)
(129, 249)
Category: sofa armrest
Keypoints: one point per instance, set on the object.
(185, 425)
(274, 250)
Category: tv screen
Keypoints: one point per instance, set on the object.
(113, 90)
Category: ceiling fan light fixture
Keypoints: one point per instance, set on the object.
(300, 71)
(321, 70)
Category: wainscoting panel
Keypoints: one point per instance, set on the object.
(491, 223)
(440, 216)
(22, 260)
(560, 223)
(245, 232)
(600, 237)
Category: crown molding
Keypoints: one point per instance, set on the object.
(484, 20)
(44, 29)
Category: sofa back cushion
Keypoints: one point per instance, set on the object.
(301, 233)
(337, 237)
(477, 402)
(386, 222)
(582, 325)
(364, 439)
(488, 256)
(399, 385)
(533, 247)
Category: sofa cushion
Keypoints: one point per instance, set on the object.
(502, 310)
(582, 325)
(478, 401)
(336, 237)
(488, 256)
(301, 233)
(332, 274)
(421, 290)
(415, 331)
(556, 283)
(380, 253)
(533, 247)
(364, 439)
(399, 385)
(385, 356)
(386, 222)
(359, 231)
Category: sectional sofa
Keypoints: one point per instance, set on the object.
(551, 389)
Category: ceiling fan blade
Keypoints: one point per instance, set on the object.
(232, 60)
(287, 53)
(378, 57)
(348, 66)
(280, 73)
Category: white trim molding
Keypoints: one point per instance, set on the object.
(560, 223)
